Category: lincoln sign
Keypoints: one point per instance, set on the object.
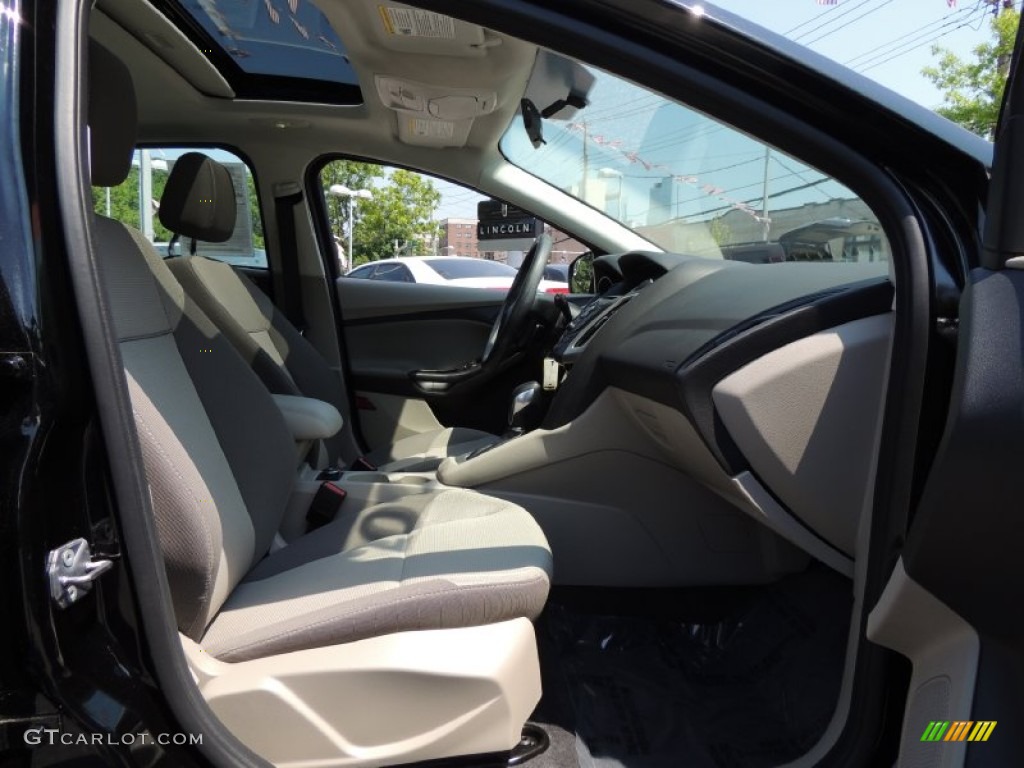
(503, 227)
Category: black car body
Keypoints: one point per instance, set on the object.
(94, 682)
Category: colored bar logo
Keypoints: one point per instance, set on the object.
(958, 730)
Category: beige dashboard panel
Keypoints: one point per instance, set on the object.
(806, 418)
(622, 506)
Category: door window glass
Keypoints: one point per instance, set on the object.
(378, 213)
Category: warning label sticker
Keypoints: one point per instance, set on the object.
(412, 22)
(431, 129)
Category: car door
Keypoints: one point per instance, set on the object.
(393, 326)
(953, 602)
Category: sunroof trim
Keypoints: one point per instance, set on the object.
(280, 63)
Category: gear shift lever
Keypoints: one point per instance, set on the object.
(525, 398)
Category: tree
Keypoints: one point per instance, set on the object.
(972, 90)
(398, 220)
(124, 201)
(258, 240)
(720, 231)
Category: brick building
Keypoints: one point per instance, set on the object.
(458, 238)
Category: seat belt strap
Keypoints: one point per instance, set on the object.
(361, 464)
(286, 197)
(324, 506)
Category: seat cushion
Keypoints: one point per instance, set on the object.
(424, 451)
(430, 561)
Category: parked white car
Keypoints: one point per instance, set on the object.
(448, 270)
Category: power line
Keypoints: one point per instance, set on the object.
(831, 8)
(615, 108)
(914, 38)
(854, 20)
(799, 174)
(851, 9)
(733, 190)
(900, 40)
(865, 66)
(773, 195)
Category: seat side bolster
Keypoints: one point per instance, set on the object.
(241, 316)
(249, 426)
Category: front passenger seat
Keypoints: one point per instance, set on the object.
(277, 352)
(281, 638)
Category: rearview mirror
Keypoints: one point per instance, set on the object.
(533, 123)
(581, 274)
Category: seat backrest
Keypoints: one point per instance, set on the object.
(218, 456)
(283, 359)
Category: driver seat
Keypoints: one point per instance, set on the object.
(283, 359)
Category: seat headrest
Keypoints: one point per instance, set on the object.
(112, 118)
(199, 199)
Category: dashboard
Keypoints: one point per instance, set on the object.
(664, 317)
(778, 368)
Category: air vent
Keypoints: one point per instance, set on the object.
(594, 327)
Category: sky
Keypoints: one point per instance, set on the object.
(889, 41)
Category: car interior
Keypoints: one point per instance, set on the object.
(404, 523)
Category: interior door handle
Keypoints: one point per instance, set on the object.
(441, 380)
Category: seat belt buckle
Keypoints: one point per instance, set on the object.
(325, 505)
(362, 464)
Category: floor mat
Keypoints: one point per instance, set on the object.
(753, 687)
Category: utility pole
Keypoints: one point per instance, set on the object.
(146, 194)
(765, 221)
(1003, 60)
(586, 163)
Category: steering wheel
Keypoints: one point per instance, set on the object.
(513, 319)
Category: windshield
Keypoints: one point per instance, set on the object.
(691, 184)
(454, 269)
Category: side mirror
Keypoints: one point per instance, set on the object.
(581, 274)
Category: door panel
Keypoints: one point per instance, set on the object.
(363, 299)
(394, 329)
(392, 347)
(965, 541)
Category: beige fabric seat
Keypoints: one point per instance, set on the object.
(277, 352)
(220, 465)
(453, 567)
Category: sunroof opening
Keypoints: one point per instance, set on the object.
(276, 38)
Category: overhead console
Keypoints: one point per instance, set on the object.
(433, 116)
